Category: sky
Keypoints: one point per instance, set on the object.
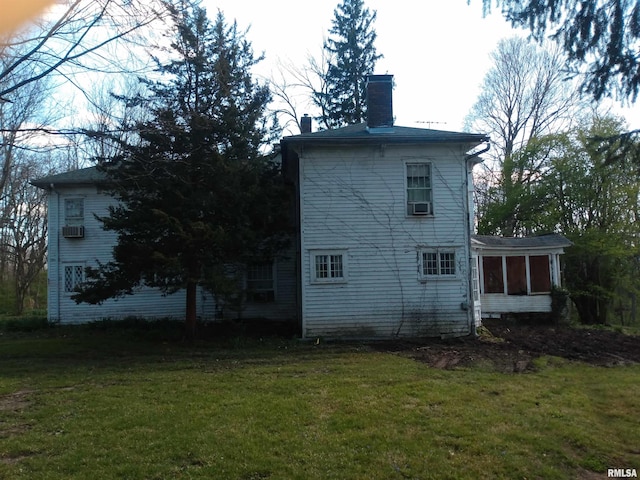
(437, 50)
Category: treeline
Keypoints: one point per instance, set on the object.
(561, 165)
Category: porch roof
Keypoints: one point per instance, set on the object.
(550, 241)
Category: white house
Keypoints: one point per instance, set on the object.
(384, 243)
(77, 240)
(384, 229)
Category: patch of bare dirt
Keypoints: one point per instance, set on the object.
(15, 401)
(512, 347)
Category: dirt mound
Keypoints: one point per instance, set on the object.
(513, 348)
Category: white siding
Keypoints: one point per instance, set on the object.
(354, 199)
(97, 245)
(495, 304)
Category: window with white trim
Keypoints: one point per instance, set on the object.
(436, 263)
(73, 277)
(73, 211)
(329, 266)
(419, 189)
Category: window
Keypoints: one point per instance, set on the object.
(419, 194)
(329, 266)
(260, 283)
(438, 263)
(73, 277)
(540, 273)
(429, 263)
(516, 276)
(525, 274)
(74, 211)
(492, 273)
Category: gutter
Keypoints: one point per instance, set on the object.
(474, 156)
(57, 234)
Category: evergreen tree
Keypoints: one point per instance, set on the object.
(195, 194)
(600, 37)
(353, 57)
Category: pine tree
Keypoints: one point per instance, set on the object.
(195, 194)
(353, 53)
(601, 38)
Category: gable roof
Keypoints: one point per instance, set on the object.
(82, 176)
(547, 241)
(356, 134)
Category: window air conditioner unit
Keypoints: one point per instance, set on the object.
(73, 231)
(421, 208)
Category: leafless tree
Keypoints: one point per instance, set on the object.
(524, 95)
(301, 90)
(23, 230)
(75, 35)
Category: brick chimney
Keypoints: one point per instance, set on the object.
(379, 102)
(305, 124)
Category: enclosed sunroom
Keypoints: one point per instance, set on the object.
(517, 275)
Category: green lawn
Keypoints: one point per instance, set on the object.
(81, 403)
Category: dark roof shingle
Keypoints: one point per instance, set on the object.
(82, 176)
(361, 134)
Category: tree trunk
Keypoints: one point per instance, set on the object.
(190, 318)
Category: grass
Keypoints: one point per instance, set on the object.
(110, 403)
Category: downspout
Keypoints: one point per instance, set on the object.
(478, 153)
(471, 161)
(58, 265)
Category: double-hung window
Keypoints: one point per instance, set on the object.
(74, 211)
(419, 189)
(437, 263)
(329, 266)
(260, 282)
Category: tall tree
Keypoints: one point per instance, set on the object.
(596, 206)
(72, 36)
(601, 38)
(195, 194)
(524, 95)
(23, 229)
(353, 55)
